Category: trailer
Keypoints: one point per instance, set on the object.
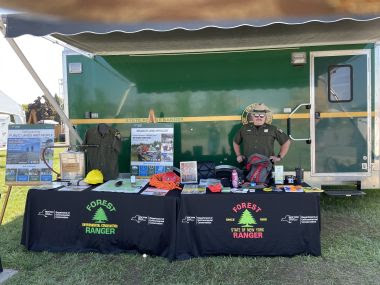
(320, 79)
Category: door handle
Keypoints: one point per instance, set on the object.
(308, 140)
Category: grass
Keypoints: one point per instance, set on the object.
(350, 254)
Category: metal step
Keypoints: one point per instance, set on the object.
(347, 189)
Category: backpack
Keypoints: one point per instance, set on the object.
(259, 168)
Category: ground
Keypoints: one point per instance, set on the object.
(350, 254)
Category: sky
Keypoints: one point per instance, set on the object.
(46, 59)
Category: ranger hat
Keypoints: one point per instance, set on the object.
(256, 108)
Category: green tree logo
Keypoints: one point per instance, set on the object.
(100, 216)
(247, 220)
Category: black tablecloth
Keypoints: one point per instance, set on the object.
(174, 226)
(99, 221)
(265, 224)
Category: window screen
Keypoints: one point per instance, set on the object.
(340, 83)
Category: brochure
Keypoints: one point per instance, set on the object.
(208, 181)
(239, 190)
(226, 190)
(74, 188)
(312, 190)
(193, 189)
(293, 189)
(122, 186)
(155, 191)
(50, 186)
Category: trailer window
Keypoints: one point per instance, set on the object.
(340, 83)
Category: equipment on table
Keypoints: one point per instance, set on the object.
(206, 170)
(94, 177)
(259, 167)
(166, 180)
(215, 188)
(72, 165)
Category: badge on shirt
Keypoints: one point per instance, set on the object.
(118, 135)
(265, 130)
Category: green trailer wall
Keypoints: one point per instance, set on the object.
(195, 85)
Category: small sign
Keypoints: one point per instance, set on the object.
(189, 172)
(75, 67)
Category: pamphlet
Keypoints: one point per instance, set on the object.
(226, 189)
(155, 191)
(239, 190)
(122, 186)
(193, 189)
(278, 174)
(208, 181)
(312, 190)
(293, 189)
(74, 188)
(51, 186)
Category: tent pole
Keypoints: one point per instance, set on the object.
(46, 92)
(7, 194)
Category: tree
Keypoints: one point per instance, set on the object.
(247, 220)
(44, 110)
(100, 216)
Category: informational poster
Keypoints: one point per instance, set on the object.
(24, 164)
(152, 149)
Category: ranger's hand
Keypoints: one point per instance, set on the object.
(240, 158)
(274, 158)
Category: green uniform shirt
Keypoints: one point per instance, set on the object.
(259, 139)
(105, 156)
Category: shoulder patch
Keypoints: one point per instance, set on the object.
(118, 135)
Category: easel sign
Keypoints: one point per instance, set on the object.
(24, 163)
(152, 149)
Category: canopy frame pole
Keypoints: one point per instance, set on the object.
(37, 79)
(7, 194)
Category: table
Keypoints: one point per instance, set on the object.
(63, 221)
(175, 226)
(265, 224)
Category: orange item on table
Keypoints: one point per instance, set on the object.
(215, 187)
(161, 181)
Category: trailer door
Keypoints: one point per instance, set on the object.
(340, 118)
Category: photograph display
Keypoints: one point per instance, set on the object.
(151, 149)
(189, 172)
(24, 163)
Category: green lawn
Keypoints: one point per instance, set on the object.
(350, 254)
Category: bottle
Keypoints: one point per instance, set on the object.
(299, 175)
(234, 179)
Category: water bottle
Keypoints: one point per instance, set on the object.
(299, 175)
(234, 179)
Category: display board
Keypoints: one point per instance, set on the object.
(152, 149)
(24, 163)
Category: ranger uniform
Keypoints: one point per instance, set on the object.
(259, 139)
(105, 156)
